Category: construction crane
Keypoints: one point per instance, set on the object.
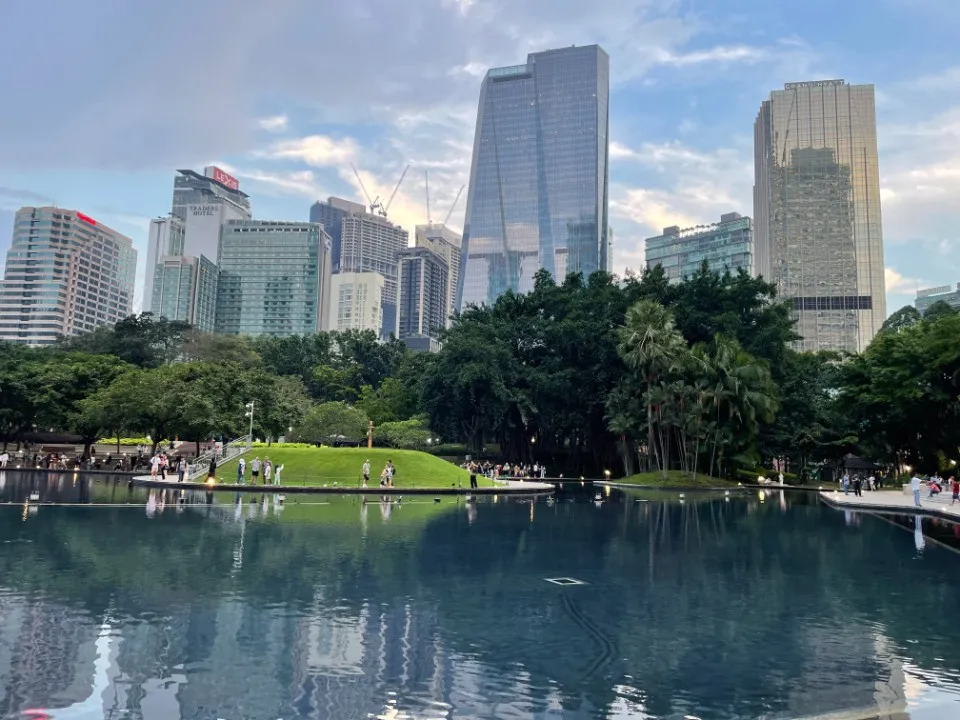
(426, 180)
(374, 204)
(385, 208)
(453, 207)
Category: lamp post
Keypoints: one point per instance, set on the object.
(370, 435)
(249, 414)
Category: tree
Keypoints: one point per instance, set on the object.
(141, 340)
(332, 422)
(411, 434)
(905, 317)
(938, 310)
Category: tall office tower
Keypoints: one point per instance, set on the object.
(274, 278)
(818, 234)
(165, 239)
(330, 214)
(356, 301)
(66, 274)
(371, 243)
(185, 288)
(538, 182)
(726, 245)
(204, 203)
(443, 241)
(424, 294)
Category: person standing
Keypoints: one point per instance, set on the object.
(4, 459)
(366, 472)
(241, 470)
(212, 469)
(391, 471)
(473, 475)
(276, 474)
(267, 470)
(915, 486)
(845, 482)
(954, 489)
(858, 486)
(255, 470)
(181, 469)
(154, 465)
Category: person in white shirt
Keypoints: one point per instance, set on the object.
(241, 469)
(267, 470)
(915, 486)
(255, 470)
(4, 459)
(276, 475)
(154, 465)
(366, 473)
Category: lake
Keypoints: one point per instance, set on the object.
(121, 602)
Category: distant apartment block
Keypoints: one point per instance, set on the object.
(424, 296)
(356, 301)
(330, 214)
(274, 278)
(371, 243)
(945, 293)
(444, 242)
(726, 245)
(65, 274)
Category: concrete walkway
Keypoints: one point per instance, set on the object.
(505, 487)
(892, 501)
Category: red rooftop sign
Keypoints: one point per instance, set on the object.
(86, 218)
(221, 177)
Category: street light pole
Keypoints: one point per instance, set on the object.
(249, 414)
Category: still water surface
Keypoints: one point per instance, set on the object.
(132, 604)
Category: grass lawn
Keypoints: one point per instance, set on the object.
(343, 467)
(675, 478)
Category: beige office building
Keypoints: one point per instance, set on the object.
(818, 234)
(66, 274)
(442, 241)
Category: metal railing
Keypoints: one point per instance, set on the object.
(234, 448)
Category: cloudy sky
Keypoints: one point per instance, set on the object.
(103, 99)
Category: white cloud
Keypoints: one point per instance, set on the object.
(315, 150)
(474, 69)
(720, 54)
(897, 284)
(276, 123)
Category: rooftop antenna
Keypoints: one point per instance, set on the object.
(426, 180)
(385, 208)
(455, 201)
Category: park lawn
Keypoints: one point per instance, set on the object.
(675, 478)
(343, 466)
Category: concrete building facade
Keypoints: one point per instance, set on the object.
(356, 301)
(442, 241)
(424, 286)
(185, 288)
(65, 274)
(330, 214)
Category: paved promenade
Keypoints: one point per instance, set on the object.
(894, 501)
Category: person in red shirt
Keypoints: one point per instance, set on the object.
(955, 488)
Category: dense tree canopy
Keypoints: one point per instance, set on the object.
(587, 374)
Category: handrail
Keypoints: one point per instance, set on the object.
(231, 450)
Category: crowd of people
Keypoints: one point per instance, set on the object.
(386, 475)
(507, 470)
(271, 473)
(859, 483)
(934, 487)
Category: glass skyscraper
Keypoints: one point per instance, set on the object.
(538, 182)
(817, 226)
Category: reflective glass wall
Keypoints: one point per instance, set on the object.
(538, 183)
(818, 229)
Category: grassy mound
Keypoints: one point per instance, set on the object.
(675, 478)
(343, 467)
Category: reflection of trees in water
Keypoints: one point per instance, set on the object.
(685, 599)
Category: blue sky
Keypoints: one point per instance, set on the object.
(104, 99)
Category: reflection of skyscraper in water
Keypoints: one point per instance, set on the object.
(817, 223)
(538, 182)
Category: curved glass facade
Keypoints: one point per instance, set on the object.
(538, 182)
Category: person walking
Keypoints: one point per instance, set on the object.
(915, 486)
(858, 486)
(154, 465)
(181, 469)
(212, 469)
(366, 472)
(846, 484)
(241, 471)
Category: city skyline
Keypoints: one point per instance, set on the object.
(684, 91)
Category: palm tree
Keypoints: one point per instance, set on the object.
(651, 346)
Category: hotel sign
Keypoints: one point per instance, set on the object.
(813, 84)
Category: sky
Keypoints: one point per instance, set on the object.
(105, 99)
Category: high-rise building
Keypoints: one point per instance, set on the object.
(424, 293)
(204, 203)
(165, 239)
(726, 245)
(185, 288)
(818, 234)
(356, 301)
(538, 181)
(947, 294)
(330, 214)
(66, 274)
(442, 241)
(274, 278)
(371, 243)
